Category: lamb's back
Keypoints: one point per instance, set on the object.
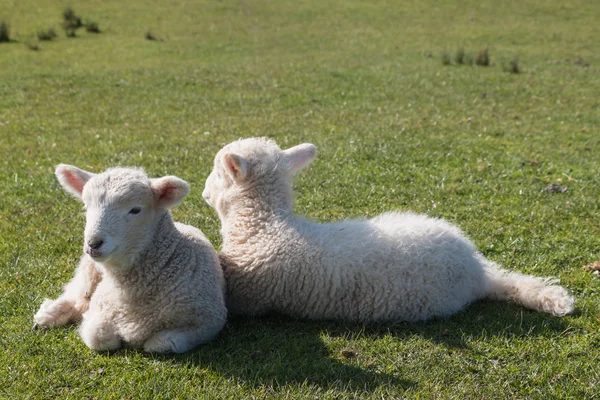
(391, 240)
(379, 269)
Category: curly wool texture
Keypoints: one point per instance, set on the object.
(395, 267)
(152, 283)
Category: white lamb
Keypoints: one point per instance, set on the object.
(144, 280)
(397, 266)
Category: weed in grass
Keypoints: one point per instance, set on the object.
(579, 61)
(513, 66)
(483, 58)
(46, 35)
(32, 46)
(72, 18)
(460, 57)
(92, 27)
(150, 36)
(446, 60)
(71, 22)
(4, 32)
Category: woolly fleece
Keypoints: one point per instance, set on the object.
(143, 281)
(397, 266)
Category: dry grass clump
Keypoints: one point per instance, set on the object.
(4, 32)
(46, 35)
(483, 58)
(71, 22)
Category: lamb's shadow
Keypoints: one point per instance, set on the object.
(483, 320)
(279, 350)
(275, 351)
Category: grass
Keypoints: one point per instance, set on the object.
(395, 130)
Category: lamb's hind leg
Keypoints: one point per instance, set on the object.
(177, 340)
(74, 301)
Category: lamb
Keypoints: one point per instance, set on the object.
(144, 280)
(394, 267)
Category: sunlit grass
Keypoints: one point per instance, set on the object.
(395, 129)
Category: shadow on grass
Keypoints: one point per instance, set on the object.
(270, 353)
(482, 320)
(266, 354)
(275, 351)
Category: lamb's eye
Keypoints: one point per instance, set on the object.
(135, 210)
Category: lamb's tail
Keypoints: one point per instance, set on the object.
(541, 294)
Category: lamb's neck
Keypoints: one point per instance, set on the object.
(250, 217)
(145, 263)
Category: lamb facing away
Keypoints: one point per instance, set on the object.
(143, 280)
(397, 266)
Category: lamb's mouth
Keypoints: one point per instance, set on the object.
(96, 255)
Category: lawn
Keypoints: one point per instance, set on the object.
(396, 129)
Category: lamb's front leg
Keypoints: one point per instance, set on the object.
(74, 301)
(98, 331)
(179, 340)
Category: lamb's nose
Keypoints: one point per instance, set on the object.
(96, 243)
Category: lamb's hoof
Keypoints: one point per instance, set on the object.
(53, 313)
(35, 326)
(556, 300)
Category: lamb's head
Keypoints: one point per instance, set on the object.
(255, 166)
(122, 206)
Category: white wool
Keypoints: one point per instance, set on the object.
(397, 266)
(144, 280)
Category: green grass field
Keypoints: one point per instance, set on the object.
(395, 128)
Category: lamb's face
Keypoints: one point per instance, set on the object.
(217, 184)
(119, 213)
(121, 206)
(249, 163)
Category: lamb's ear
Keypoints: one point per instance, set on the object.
(169, 191)
(72, 179)
(235, 166)
(300, 156)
